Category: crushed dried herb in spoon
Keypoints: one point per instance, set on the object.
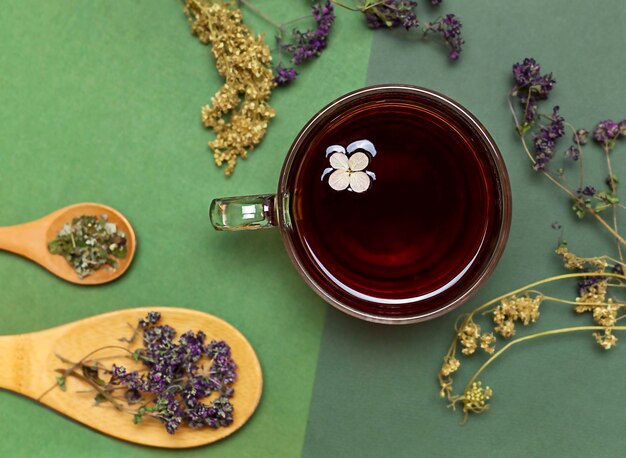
(88, 243)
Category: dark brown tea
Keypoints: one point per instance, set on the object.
(396, 205)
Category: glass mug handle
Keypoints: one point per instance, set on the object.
(244, 213)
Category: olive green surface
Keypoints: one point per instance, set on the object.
(100, 101)
(376, 392)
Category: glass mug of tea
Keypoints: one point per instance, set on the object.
(394, 204)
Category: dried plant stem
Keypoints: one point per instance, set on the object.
(620, 240)
(523, 289)
(518, 128)
(72, 372)
(280, 27)
(612, 183)
(260, 13)
(554, 299)
(534, 336)
(343, 5)
(565, 301)
(83, 359)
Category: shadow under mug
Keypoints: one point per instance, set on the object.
(394, 204)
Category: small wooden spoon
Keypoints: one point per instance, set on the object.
(30, 364)
(31, 241)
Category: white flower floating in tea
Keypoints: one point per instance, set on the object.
(348, 170)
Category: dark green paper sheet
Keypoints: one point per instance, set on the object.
(376, 392)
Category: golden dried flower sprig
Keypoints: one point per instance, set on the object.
(522, 307)
(239, 112)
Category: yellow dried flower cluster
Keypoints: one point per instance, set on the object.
(475, 398)
(486, 340)
(512, 309)
(573, 262)
(607, 315)
(593, 296)
(604, 314)
(468, 336)
(593, 299)
(450, 366)
(606, 340)
(239, 113)
(597, 277)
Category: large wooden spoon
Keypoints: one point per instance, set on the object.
(30, 363)
(31, 241)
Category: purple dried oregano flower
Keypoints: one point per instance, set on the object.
(177, 378)
(531, 86)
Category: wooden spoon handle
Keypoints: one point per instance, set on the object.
(12, 349)
(23, 239)
(25, 358)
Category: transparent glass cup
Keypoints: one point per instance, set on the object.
(283, 209)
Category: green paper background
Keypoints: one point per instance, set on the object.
(100, 100)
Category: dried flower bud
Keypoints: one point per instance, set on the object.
(476, 397)
(450, 366)
(606, 316)
(606, 132)
(486, 340)
(592, 297)
(531, 86)
(581, 136)
(606, 340)
(506, 328)
(310, 44)
(468, 337)
(570, 260)
(513, 308)
(446, 388)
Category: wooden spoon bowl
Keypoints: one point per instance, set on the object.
(31, 364)
(30, 240)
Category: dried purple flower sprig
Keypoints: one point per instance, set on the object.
(449, 29)
(310, 43)
(531, 88)
(302, 46)
(299, 46)
(389, 14)
(393, 14)
(177, 378)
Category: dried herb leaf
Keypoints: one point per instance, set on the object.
(61, 382)
(91, 373)
(88, 243)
